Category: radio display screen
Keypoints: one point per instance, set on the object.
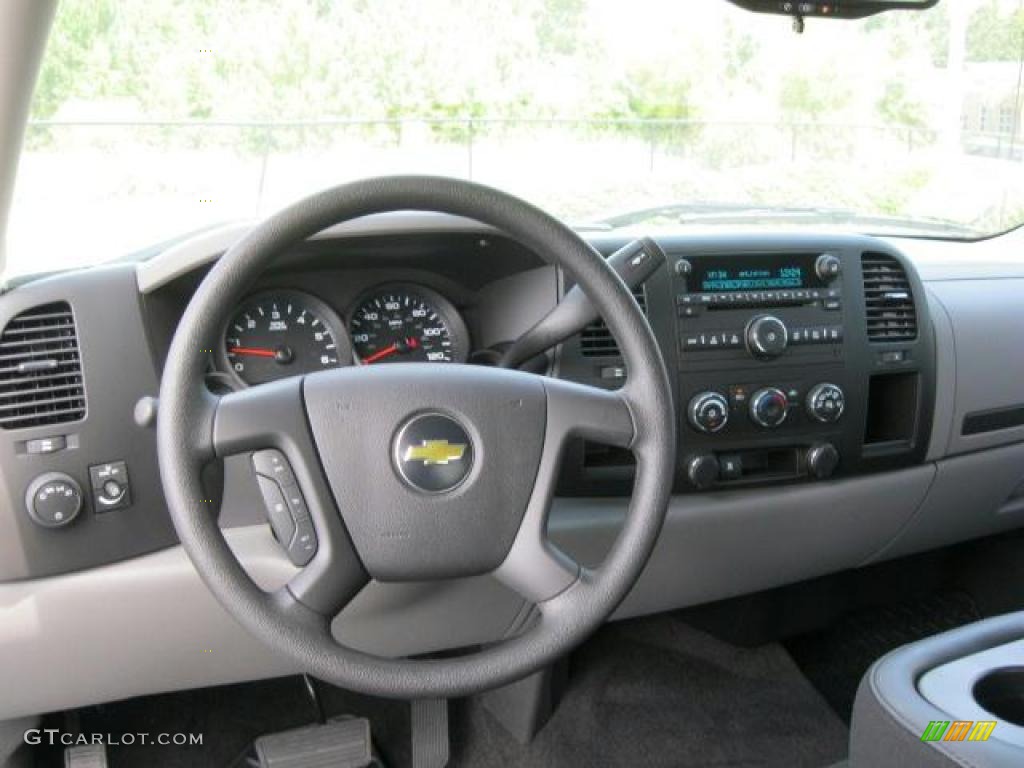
(755, 272)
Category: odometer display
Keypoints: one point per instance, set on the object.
(404, 324)
(284, 333)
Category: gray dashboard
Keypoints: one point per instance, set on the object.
(965, 484)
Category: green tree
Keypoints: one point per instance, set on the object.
(897, 107)
(802, 97)
(995, 34)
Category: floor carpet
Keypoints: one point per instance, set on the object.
(649, 692)
(835, 659)
(654, 692)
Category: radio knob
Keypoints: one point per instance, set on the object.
(822, 460)
(825, 403)
(703, 471)
(828, 267)
(708, 412)
(766, 336)
(768, 407)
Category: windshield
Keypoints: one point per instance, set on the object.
(154, 118)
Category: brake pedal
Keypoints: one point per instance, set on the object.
(341, 743)
(86, 756)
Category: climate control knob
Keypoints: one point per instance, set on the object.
(822, 460)
(708, 412)
(766, 336)
(825, 403)
(768, 407)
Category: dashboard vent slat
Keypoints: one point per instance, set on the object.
(596, 339)
(41, 369)
(888, 299)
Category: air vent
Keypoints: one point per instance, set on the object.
(597, 341)
(888, 299)
(40, 369)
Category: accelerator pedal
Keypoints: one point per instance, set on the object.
(430, 742)
(86, 756)
(337, 743)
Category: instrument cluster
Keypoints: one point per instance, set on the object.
(281, 332)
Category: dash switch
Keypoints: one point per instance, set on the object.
(110, 487)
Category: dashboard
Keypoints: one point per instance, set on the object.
(828, 407)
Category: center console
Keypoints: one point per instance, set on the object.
(763, 371)
(795, 359)
(952, 699)
(785, 358)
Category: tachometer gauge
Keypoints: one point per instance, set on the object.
(407, 323)
(283, 333)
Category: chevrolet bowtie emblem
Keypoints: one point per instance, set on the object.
(435, 452)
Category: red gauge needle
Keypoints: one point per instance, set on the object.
(380, 354)
(252, 352)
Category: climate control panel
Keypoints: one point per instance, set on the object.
(767, 407)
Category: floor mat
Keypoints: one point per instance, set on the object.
(654, 692)
(836, 658)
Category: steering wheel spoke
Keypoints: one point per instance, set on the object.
(534, 567)
(273, 416)
(578, 410)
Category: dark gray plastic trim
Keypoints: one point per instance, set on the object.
(206, 247)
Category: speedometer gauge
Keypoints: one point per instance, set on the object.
(283, 333)
(407, 323)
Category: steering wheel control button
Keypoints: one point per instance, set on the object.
(433, 453)
(286, 507)
(110, 487)
(273, 464)
(53, 500)
(768, 407)
(708, 412)
(281, 520)
(825, 403)
(766, 337)
(303, 544)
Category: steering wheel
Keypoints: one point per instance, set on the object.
(417, 471)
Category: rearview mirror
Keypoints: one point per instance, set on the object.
(839, 9)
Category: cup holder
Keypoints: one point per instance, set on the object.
(1001, 692)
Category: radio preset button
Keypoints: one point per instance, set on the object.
(690, 310)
